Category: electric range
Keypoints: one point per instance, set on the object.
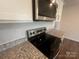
(45, 43)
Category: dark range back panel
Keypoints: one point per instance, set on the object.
(45, 9)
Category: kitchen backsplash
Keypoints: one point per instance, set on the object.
(14, 32)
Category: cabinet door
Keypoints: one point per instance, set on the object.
(15, 10)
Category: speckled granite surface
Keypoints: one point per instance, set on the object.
(22, 51)
(56, 33)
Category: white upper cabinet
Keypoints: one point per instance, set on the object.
(15, 11)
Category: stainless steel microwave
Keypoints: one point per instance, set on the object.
(44, 10)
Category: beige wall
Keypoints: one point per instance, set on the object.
(70, 22)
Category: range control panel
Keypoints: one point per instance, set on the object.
(34, 32)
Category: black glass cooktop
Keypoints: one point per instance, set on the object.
(46, 43)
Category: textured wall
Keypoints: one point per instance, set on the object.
(11, 32)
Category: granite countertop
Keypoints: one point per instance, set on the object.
(56, 33)
(22, 51)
